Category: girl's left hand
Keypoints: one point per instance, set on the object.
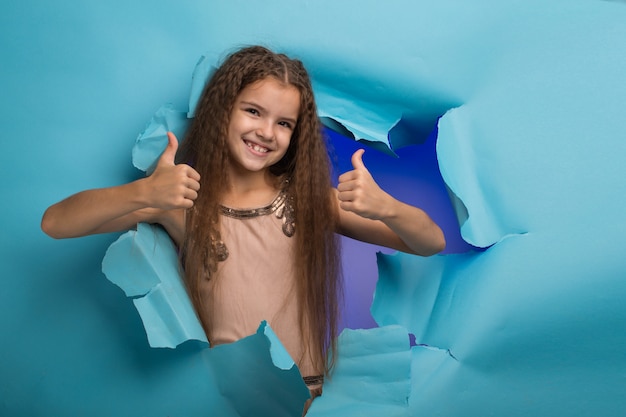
(359, 193)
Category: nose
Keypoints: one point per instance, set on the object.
(265, 130)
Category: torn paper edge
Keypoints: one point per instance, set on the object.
(165, 309)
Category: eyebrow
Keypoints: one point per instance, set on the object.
(263, 109)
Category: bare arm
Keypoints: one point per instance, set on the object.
(159, 198)
(369, 214)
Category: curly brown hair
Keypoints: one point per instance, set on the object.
(306, 166)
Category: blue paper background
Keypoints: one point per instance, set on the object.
(534, 148)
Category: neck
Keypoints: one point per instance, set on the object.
(250, 190)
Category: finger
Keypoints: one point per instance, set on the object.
(346, 177)
(348, 195)
(169, 154)
(347, 206)
(194, 185)
(193, 174)
(345, 186)
(357, 159)
(191, 194)
(186, 204)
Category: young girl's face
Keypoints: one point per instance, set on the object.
(261, 124)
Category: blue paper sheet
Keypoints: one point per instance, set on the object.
(248, 369)
(152, 141)
(528, 98)
(372, 377)
(144, 263)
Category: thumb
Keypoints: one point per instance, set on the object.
(357, 159)
(169, 154)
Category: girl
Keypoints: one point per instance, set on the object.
(257, 241)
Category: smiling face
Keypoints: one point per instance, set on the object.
(262, 121)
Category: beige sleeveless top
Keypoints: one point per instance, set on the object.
(256, 280)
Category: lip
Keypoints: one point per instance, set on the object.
(246, 143)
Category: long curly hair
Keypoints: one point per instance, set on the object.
(306, 166)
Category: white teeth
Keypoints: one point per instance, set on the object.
(256, 147)
(259, 149)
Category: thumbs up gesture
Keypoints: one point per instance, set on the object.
(359, 193)
(173, 186)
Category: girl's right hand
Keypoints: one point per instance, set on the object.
(162, 197)
(172, 186)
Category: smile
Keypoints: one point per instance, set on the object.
(255, 147)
